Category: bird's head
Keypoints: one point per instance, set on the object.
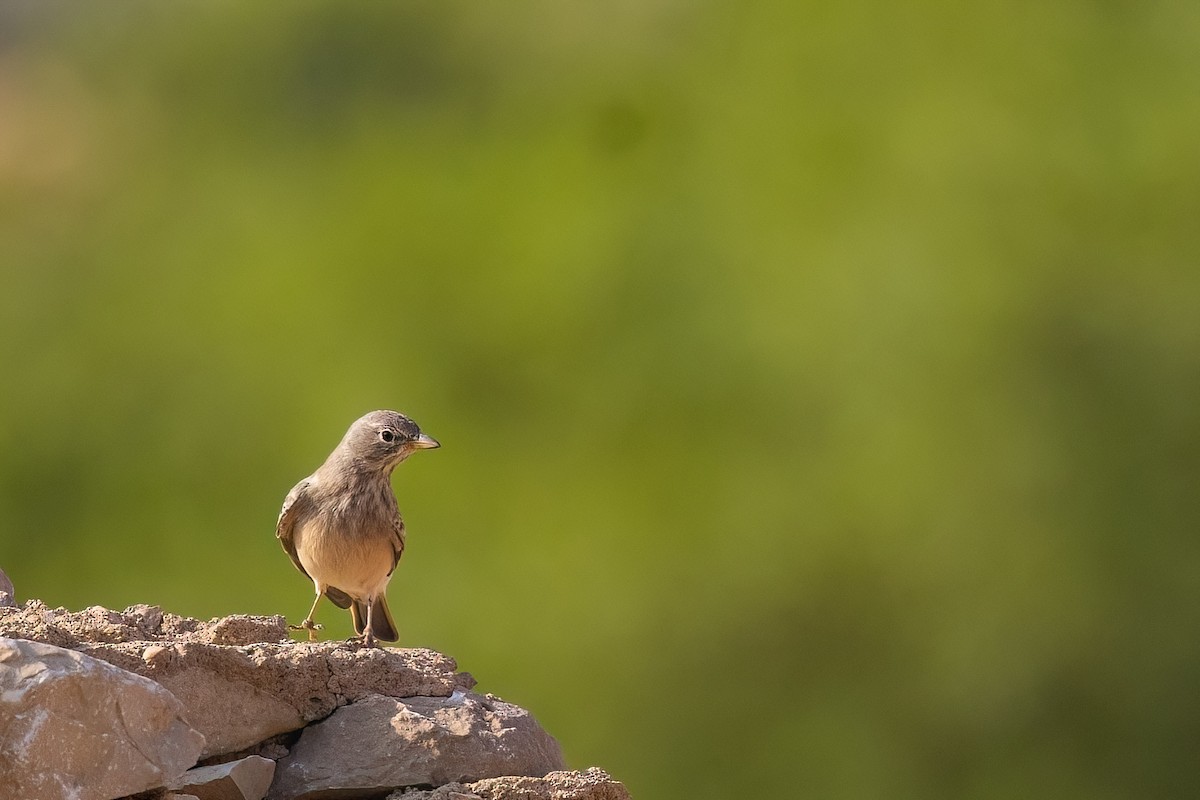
(382, 439)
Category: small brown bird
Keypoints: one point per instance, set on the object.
(342, 527)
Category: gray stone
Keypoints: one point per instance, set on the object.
(245, 779)
(75, 727)
(380, 743)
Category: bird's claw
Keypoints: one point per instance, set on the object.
(362, 642)
(310, 626)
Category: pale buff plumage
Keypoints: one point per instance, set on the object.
(342, 527)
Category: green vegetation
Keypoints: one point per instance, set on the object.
(817, 383)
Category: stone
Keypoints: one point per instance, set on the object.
(245, 779)
(379, 743)
(140, 623)
(81, 722)
(239, 696)
(7, 593)
(240, 678)
(592, 784)
(76, 727)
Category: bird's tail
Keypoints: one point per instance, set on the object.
(383, 627)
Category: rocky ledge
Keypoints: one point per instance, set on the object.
(100, 704)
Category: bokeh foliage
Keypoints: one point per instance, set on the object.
(818, 383)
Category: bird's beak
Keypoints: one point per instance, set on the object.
(425, 442)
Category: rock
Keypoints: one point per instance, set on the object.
(242, 629)
(239, 696)
(75, 727)
(594, 784)
(246, 779)
(140, 623)
(380, 743)
(82, 723)
(239, 683)
(232, 712)
(7, 593)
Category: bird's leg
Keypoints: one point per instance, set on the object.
(308, 624)
(369, 632)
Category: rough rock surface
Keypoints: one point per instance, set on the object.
(244, 779)
(592, 784)
(75, 727)
(240, 679)
(380, 743)
(238, 696)
(331, 720)
(140, 623)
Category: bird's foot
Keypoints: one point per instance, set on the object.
(310, 626)
(366, 640)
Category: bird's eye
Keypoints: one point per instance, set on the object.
(386, 435)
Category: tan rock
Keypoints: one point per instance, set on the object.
(232, 713)
(592, 784)
(245, 779)
(380, 743)
(140, 623)
(238, 681)
(238, 696)
(75, 727)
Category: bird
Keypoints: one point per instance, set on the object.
(342, 528)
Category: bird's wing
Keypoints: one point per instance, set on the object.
(293, 505)
(338, 597)
(397, 541)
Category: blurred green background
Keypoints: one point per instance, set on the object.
(818, 383)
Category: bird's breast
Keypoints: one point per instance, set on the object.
(357, 559)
